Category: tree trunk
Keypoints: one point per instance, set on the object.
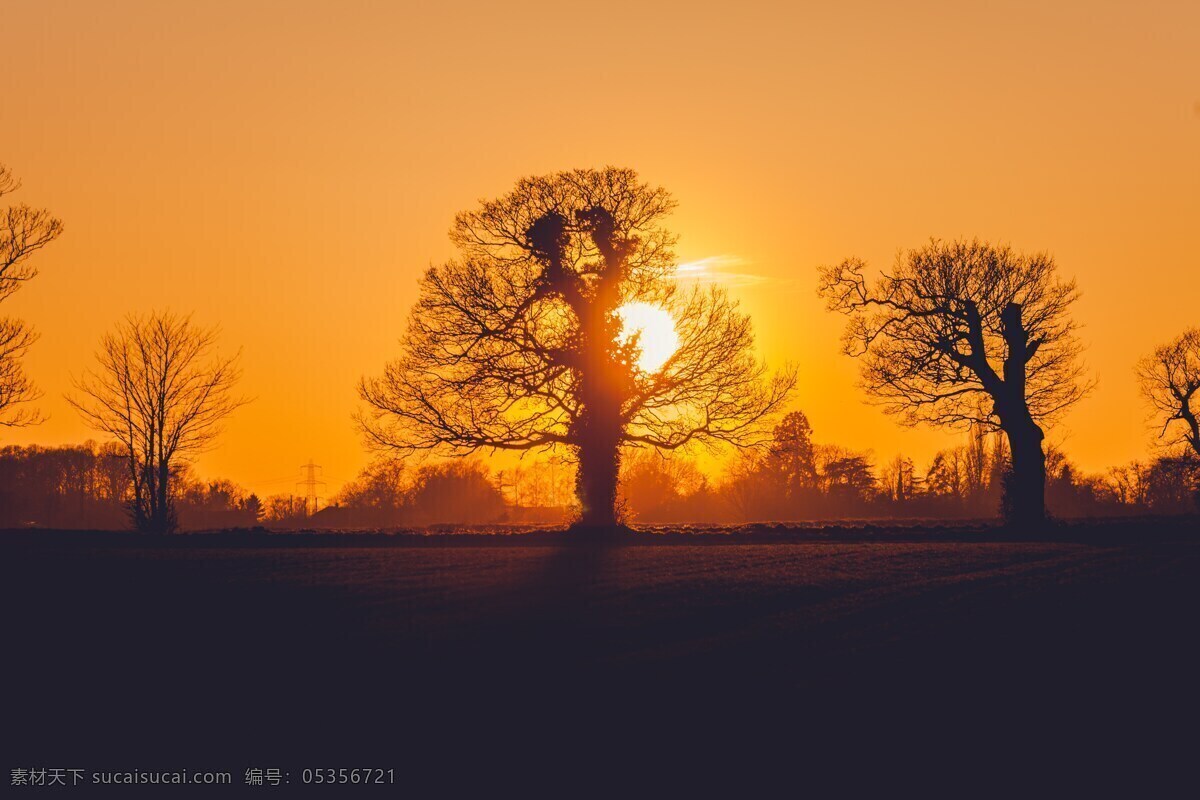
(596, 483)
(1025, 486)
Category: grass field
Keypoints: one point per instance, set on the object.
(303, 645)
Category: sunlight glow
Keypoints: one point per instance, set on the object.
(658, 340)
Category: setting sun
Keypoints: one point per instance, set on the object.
(658, 340)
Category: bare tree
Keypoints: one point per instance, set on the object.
(23, 231)
(518, 344)
(1170, 381)
(965, 333)
(162, 390)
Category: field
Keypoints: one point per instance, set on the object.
(255, 648)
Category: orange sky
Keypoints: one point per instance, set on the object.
(287, 169)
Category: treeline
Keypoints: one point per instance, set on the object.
(798, 479)
(795, 479)
(89, 486)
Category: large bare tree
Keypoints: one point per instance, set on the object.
(1170, 381)
(518, 344)
(162, 390)
(23, 231)
(963, 333)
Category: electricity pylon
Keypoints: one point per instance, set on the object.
(310, 484)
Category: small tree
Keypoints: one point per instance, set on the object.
(965, 333)
(163, 392)
(23, 231)
(1170, 381)
(519, 344)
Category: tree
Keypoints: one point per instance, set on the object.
(653, 486)
(968, 332)
(899, 480)
(845, 477)
(23, 231)
(163, 392)
(1170, 380)
(381, 486)
(1173, 483)
(518, 344)
(75, 486)
(459, 492)
(793, 452)
(1130, 483)
(945, 476)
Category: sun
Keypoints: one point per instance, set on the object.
(658, 340)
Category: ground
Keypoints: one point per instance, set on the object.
(241, 648)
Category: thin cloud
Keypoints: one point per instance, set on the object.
(727, 270)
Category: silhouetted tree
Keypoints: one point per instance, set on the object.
(381, 486)
(1173, 483)
(654, 486)
(1130, 484)
(847, 479)
(753, 489)
(285, 510)
(945, 476)
(542, 484)
(898, 480)
(387, 494)
(967, 333)
(517, 345)
(162, 391)
(454, 492)
(793, 453)
(23, 231)
(1170, 381)
(77, 486)
(213, 504)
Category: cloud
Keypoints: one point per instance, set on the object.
(727, 270)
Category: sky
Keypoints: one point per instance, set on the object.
(287, 170)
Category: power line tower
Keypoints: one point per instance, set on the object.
(310, 483)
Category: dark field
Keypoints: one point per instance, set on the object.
(603, 657)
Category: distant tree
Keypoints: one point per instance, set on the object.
(283, 510)
(848, 478)
(543, 483)
(454, 493)
(654, 486)
(1173, 483)
(753, 489)
(946, 476)
(381, 485)
(898, 481)
(75, 486)
(1130, 483)
(253, 507)
(519, 346)
(163, 392)
(793, 452)
(23, 231)
(976, 461)
(1170, 381)
(213, 504)
(965, 333)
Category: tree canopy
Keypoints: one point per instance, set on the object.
(1170, 382)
